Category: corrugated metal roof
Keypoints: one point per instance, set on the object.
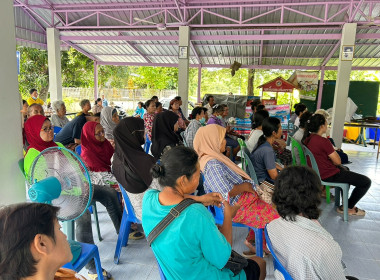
(124, 45)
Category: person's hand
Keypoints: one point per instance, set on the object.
(112, 142)
(214, 199)
(248, 188)
(231, 210)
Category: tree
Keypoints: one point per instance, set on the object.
(34, 71)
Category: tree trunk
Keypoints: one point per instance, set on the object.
(251, 79)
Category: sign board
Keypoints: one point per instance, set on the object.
(18, 62)
(347, 53)
(307, 82)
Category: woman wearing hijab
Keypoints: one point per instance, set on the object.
(109, 120)
(225, 177)
(97, 152)
(164, 135)
(40, 135)
(131, 165)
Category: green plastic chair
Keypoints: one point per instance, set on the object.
(297, 146)
(345, 187)
(251, 170)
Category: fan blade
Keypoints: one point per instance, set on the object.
(143, 20)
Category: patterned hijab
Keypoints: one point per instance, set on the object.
(96, 154)
(107, 122)
(33, 128)
(207, 143)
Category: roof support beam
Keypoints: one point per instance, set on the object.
(132, 46)
(330, 54)
(80, 50)
(195, 52)
(294, 67)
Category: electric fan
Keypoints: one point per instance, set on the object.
(60, 178)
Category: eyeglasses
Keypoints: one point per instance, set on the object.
(100, 133)
(47, 129)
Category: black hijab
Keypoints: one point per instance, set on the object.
(163, 132)
(131, 165)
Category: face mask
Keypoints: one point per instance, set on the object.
(202, 120)
(219, 117)
(35, 98)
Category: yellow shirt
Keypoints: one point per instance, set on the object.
(32, 101)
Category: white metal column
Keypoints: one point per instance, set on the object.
(342, 83)
(54, 61)
(12, 187)
(183, 65)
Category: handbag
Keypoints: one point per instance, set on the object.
(235, 262)
(265, 191)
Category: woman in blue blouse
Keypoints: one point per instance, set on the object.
(191, 247)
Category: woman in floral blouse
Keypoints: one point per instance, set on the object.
(150, 107)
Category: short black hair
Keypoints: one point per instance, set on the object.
(260, 107)
(255, 103)
(178, 98)
(19, 224)
(297, 191)
(218, 108)
(260, 116)
(299, 108)
(32, 90)
(158, 104)
(208, 98)
(175, 163)
(304, 118)
(97, 114)
(141, 103)
(147, 103)
(23, 101)
(197, 111)
(154, 97)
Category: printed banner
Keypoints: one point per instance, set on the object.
(307, 82)
(280, 111)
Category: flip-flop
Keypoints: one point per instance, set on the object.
(106, 275)
(248, 254)
(358, 211)
(136, 235)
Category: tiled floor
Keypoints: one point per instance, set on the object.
(359, 238)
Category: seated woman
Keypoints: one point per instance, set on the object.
(131, 165)
(198, 120)
(59, 119)
(109, 118)
(329, 164)
(263, 156)
(302, 245)
(191, 247)
(217, 118)
(257, 130)
(174, 107)
(39, 251)
(301, 131)
(300, 108)
(140, 111)
(98, 106)
(39, 134)
(223, 176)
(164, 135)
(149, 115)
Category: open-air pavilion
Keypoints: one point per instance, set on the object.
(271, 34)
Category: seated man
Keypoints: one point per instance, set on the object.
(199, 120)
(71, 132)
(302, 245)
(34, 98)
(35, 253)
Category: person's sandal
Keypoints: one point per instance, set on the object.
(94, 276)
(136, 235)
(358, 211)
(248, 254)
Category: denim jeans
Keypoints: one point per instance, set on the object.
(108, 197)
